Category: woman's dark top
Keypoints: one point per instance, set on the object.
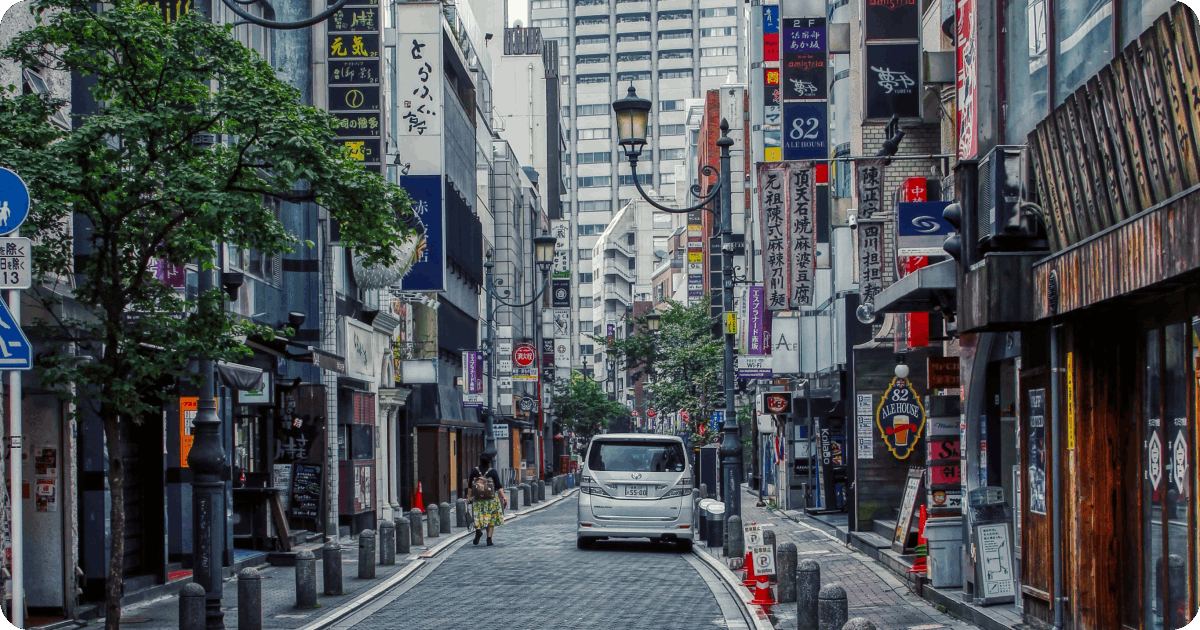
(491, 474)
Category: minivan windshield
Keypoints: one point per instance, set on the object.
(633, 456)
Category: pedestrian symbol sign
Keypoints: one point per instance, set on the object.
(14, 201)
(15, 352)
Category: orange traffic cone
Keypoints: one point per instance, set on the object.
(762, 593)
(920, 565)
(419, 501)
(748, 566)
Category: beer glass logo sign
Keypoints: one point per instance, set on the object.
(901, 418)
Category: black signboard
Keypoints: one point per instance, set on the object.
(805, 75)
(365, 124)
(893, 80)
(548, 353)
(770, 87)
(306, 491)
(342, 72)
(892, 19)
(364, 149)
(357, 19)
(560, 293)
(354, 99)
(804, 35)
(352, 46)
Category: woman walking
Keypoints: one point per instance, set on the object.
(486, 494)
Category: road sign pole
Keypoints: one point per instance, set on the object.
(16, 508)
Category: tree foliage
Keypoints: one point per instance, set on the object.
(192, 134)
(583, 406)
(683, 363)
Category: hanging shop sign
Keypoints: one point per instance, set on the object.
(773, 196)
(806, 34)
(778, 402)
(802, 228)
(893, 80)
(1037, 451)
(771, 93)
(428, 273)
(900, 417)
(892, 19)
(942, 372)
(870, 260)
(804, 76)
(805, 130)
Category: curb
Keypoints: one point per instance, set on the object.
(352, 606)
(753, 612)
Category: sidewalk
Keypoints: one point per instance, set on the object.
(279, 583)
(873, 592)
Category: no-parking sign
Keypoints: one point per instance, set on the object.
(753, 535)
(764, 560)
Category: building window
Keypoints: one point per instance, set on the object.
(585, 59)
(719, 51)
(1084, 29)
(585, 327)
(590, 3)
(1026, 71)
(719, 71)
(591, 229)
(550, 22)
(645, 180)
(585, 302)
(633, 56)
(585, 278)
(633, 17)
(585, 254)
(586, 349)
(631, 238)
(549, 4)
(719, 31)
(666, 178)
(592, 78)
(647, 155)
(589, 40)
(675, 15)
(601, 133)
(672, 154)
(598, 157)
(718, 12)
(632, 261)
(670, 106)
(634, 76)
(671, 130)
(602, 205)
(591, 20)
(677, 34)
(678, 53)
(564, 61)
(675, 74)
(599, 181)
(633, 37)
(601, 109)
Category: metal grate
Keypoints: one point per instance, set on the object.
(985, 199)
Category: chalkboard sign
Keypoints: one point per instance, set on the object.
(912, 488)
(306, 491)
(283, 482)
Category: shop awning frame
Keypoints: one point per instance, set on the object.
(926, 290)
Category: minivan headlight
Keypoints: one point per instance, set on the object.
(684, 481)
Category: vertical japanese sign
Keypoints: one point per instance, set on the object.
(802, 225)
(353, 55)
(429, 272)
(771, 33)
(870, 188)
(772, 112)
(870, 260)
(773, 196)
(419, 90)
(966, 89)
(695, 257)
(472, 379)
(804, 88)
(560, 275)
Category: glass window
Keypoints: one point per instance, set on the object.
(1139, 15)
(589, 40)
(719, 31)
(677, 53)
(585, 302)
(672, 154)
(585, 327)
(634, 56)
(666, 178)
(595, 134)
(634, 76)
(633, 37)
(639, 456)
(1085, 42)
(550, 22)
(1177, 442)
(1026, 71)
(719, 51)
(586, 59)
(586, 349)
(675, 74)
(585, 254)
(670, 106)
(633, 17)
(603, 205)
(597, 157)
(717, 12)
(645, 180)
(550, 4)
(585, 278)
(593, 110)
(679, 34)
(599, 181)
(362, 444)
(675, 15)
(592, 20)
(592, 78)
(671, 130)
(718, 71)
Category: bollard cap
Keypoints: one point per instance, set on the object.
(192, 590)
(833, 590)
(416, 511)
(859, 623)
(809, 565)
(332, 544)
(402, 520)
(735, 517)
(386, 525)
(249, 573)
(305, 555)
(366, 533)
(786, 547)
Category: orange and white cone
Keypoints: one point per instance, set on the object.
(419, 500)
(748, 567)
(762, 593)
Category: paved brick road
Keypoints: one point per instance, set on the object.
(535, 578)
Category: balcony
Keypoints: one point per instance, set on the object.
(633, 46)
(613, 268)
(619, 244)
(674, 5)
(593, 67)
(674, 63)
(641, 26)
(642, 65)
(635, 6)
(591, 29)
(583, 10)
(591, 49)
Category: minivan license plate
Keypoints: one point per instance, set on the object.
(637, 491)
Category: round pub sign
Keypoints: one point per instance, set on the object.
(524, 355)
(900, 417)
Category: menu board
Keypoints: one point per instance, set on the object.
(908, 506)
(305, 500)
(283, 483)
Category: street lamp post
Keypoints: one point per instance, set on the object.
(544, 257)
(632, 125)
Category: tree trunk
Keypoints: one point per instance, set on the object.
(115, 585)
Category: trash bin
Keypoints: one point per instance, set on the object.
(944, 536)
(701, 516)
(716, 524)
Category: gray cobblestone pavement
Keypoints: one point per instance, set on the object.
(535, 578)
(872, 591)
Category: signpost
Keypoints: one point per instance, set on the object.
(15, 356)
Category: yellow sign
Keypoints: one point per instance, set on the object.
(1070, 401)
(772, 154)
(695, 257)
(188, 407)
(730, 323)
(696, 228)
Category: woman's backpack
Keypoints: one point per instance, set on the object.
(483, 488)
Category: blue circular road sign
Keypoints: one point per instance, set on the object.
(14, 201)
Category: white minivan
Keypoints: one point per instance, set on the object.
(635, 485)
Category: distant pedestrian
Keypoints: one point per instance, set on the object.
(487, 498)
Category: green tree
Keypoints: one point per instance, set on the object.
(682, 361)
(192, 133)
(583, 406)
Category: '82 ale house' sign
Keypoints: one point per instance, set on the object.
(900, 417)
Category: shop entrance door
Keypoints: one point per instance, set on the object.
(1168, 486)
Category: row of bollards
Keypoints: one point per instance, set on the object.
(392, 539)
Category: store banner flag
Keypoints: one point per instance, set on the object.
(773, 196)
(802, 221)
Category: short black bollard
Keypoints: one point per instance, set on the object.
(460, 513)
(331, 565)
(434, 518)
(832, 607)
(387, 543)
(541, 490)
(417, 518)
(513, 503)
(306, 580)
(250, 614)
(859, 623)
(703, 491)
(444, 517)
(768, 538)
(366, 555)
(191, 607)
(785, 572)
(737, 541)
(403, 536)
(525, 494)
(808, 586)
(702, 523)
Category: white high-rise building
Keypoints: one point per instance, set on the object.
(670, 51)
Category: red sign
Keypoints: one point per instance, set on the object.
(915, 190)
(524, 355)
(777, 403)
(650, 412)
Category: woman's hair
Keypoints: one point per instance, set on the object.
(485, 461)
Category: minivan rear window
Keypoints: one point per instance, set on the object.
(632, 456)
